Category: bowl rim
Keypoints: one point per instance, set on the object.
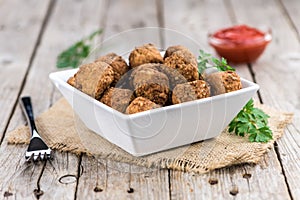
(56, 77)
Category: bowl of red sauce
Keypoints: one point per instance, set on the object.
(240, 43)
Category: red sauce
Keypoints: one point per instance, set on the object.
(239, 34)
(239, 43)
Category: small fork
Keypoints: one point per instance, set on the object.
(37, 148)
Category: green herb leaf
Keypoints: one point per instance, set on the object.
(250, 120)
(253, 122)
(205, 61)
(73, 56)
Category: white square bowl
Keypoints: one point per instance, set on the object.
(158, 129)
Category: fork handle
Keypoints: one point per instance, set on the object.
(27, 108)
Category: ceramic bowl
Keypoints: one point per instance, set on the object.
(240, 49)
(158, 129)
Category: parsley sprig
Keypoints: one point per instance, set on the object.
(206, 60)
(73, 56)
(253, 122)
(249, 121)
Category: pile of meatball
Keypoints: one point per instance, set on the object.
(150, 80)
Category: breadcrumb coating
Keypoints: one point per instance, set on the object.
(94, 78)
(117, 98)
(223, 82)
(190, 91)
(147, 53)
(141, 104)
(118, 64)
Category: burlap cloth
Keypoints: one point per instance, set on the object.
(59, 127)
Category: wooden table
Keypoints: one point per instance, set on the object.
(34, 32)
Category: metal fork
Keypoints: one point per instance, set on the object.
(37, 148)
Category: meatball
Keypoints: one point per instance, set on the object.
(190, 91)
(170, 50)
(118, 64)
(185, 66)
(151, 84)
(71, 81)
(188, 55)
(153, 66)
(94, 78)
(223, 82)
(173, 75)
(117, 98)
(147, 53)
(125, 81)
(141, 104)
(179, 48)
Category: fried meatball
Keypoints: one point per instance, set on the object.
(151, 84)
(179, 48)
(190, 91)
(71, 81)
(223, 82)
(125, 81)
(153, 66)
(188, 55)
(117, 98)
(147, 53)
(170, 50)
(118, 64)
(173, 75)
(94, 78)
(141, 104)
(185, 66)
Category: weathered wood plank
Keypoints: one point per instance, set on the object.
(237, 182)
(18, 30)
(278, 74)
(120, 180)
(19, 34)
(197, 23)
(57, 179)
(292, 9)
(195, 18)
(18, 179)
(130, 14)
(104, 179)
(68, 24)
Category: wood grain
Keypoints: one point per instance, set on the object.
(236, 182)
(18, 30)
(38, 31)
(130, 14)
(21, 29)
(17, 172)
(59, 178)
(290, 8)
(231, 183)
(68, 24)
(104, 179)
(278, 74)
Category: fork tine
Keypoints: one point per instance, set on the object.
(37, 148)
(36, 157)
(42, 156)
(29, 158)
